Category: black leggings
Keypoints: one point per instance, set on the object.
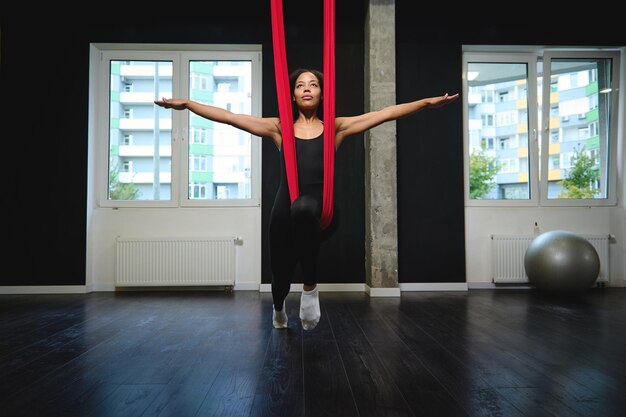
(295, 235)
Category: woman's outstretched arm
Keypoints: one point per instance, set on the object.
(265, 127)
(348, 126)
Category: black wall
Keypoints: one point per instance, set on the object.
(431, 227)
(44, 83)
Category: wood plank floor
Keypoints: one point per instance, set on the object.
(211, 353)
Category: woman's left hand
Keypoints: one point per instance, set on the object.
(436, 102)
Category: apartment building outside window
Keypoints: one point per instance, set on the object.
(178, 158)
(536, 128)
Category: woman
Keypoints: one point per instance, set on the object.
(295, 234)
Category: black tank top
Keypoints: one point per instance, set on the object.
(310, 156)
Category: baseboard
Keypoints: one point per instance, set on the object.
(382, 292)
(492, 286)
(109, 287)
(252, 286)
(525, 286)
(246, 286)
(433, 286)
(44, 289)
(321, 287)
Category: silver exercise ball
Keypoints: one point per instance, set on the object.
(561, 261)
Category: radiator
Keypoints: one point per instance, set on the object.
(507, 255)
(175, 262)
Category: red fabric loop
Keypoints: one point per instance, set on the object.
(283, 93)
(329, 112)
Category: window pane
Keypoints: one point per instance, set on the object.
(579, 128)
(498, 131)
(219, 154)
(140, 147)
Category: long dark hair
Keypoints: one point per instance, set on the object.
(293, 77)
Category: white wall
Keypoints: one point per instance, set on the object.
(106, 224)
(618, 216)
(482, 222)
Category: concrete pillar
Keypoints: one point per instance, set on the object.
(381, 233)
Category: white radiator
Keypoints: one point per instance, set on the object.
(175, 262)
(507, 255)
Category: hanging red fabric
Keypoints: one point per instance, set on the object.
(329, 112)
(283, 92)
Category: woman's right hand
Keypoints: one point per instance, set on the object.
(172, 103)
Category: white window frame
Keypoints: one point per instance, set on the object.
(179, 55)
(611, 179)
(539, 188)
(533, 149)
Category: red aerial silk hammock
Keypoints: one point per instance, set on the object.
(283, 92)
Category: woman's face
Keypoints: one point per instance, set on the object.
(307, 92)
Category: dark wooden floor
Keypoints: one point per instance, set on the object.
(477, 353)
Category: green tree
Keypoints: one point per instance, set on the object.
(482, 171)
(119, 190)
(581, 179)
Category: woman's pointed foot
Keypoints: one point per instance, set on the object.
(279, 318)
(310, 309)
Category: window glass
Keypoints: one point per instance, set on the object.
(152, 156)
(219, 154)
(541, 127)
(579, 130)
(139, 153)
(498, 131)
